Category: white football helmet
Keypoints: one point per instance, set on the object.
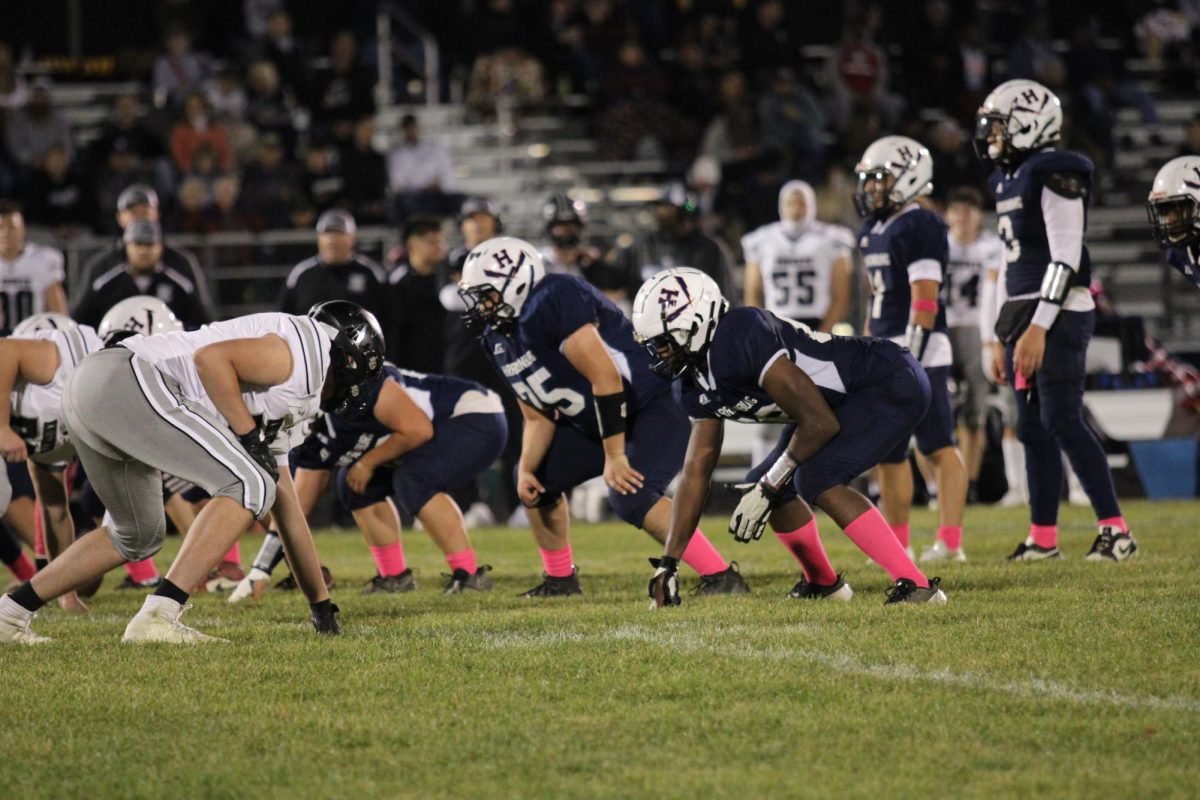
(1174, 203)
(140, 314)
(675, 316)
(909, 164)
(496, 280)
(1025, 114)
(46, 321)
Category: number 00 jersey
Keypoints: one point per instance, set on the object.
(536, 369)
(35, 409)
(749, 340)
(797, 269)
(24, 281)
(964, 270)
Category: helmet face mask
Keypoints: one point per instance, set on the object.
(871, 198)
(671, 358)
(992, 140)
(486, 308)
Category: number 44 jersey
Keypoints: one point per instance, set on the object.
(532, 362)
(965, 269)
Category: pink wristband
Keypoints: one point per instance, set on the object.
(925, 305)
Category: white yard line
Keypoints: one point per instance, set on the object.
(1033, 688)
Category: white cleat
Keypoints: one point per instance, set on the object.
(253, 585)
(938, 551)
(1012, 499)
(160, 623)
(479, 516)
(16, 631)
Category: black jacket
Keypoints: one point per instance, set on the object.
(181, 261)
(359, 280)
(166, 283)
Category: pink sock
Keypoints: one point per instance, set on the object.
(804, 543)
(1044, 535)
(389, 559)
(464, 560)
(1115, 522)
(701, 556)
(142, 571)
(234, 554)
(22, 569)
(558, 563)
(875, 537)
(951, 535)
(901, 534)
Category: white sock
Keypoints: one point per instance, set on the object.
(11, 609)
(157, 603)
(1014, 465)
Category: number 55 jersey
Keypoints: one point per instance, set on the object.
(532, 362)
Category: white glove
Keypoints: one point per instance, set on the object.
(246, 585)
(750, 517)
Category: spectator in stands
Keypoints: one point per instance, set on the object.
(197, 127)
(496, 24)
(857, 72)
(791, 121)
(691, 85)
(365, 172)
(930, 58)
(142, 271)
(676, 241)
(225, 94)
(954, 164)
(420, 173)
(227, 212)
(180, 69)
(1099, 79)
(136, 202)
(322, 182)
(192, 212)
(119, 168)
(636, 121)
(269, 108)
(417, 336)
(281, 49)
(37, 127)
(732, 136)
(336, 272)
(767, 43)
(258, 16)
(125, 125)
(58, 196)
(508, 75)
(271, 186)
(1032, 55)
(973, 69)
(343, 92)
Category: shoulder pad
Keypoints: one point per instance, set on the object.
(1070, 185)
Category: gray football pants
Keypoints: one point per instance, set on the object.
(130, 423)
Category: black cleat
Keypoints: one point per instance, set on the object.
(906, 591)
(130, 583)
(404, 582)
(461, 581)
(730, 581)
(1028, 551)
(1112, 545)
(838, 590)
(556, 587)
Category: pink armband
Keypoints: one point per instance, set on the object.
(925, 305)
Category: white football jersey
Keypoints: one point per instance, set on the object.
(36, 409)
(283, 409)
(24, 281)
(797, 271)
(964, 270)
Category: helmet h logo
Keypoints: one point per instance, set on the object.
(135, 324)
(504, 266)
(905, 152)
(669, 299)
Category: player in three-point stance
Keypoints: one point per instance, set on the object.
(1174, 210)
(590, 403)
(1047, 313)
(217, 407)
(847, 401)
(904, 248)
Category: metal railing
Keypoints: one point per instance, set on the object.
(392, 20)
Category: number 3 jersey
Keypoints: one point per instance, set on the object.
(749, 340)
(533, 364)
(35, 409)
(909, 246)
(797, 269)
(964, 270)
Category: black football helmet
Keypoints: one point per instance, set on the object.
(356, 358)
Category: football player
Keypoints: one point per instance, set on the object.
(973, 253)
(31, 275)
(1048, 314)
(590, 403)
(904, 248)
(1174, 210)
(795, 267)
(217, 407)
(424, 435)
(848, 403)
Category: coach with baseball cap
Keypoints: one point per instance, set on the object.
(142, 271)
(336, 272)
(139, 201)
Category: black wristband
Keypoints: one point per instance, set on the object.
(669, 564)
(610, 413)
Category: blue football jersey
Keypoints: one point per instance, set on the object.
(337, 442)
(749, 340)
(915, 238)
(533, 364)
(1020, 223)
(1184, 263)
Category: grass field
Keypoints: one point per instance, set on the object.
(1051, 680)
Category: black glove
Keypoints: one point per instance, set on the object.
(255, 444)
(664, 586)
(325, 617)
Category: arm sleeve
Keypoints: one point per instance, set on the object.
(1064, 227)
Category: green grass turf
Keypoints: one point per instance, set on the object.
(1052, 680)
